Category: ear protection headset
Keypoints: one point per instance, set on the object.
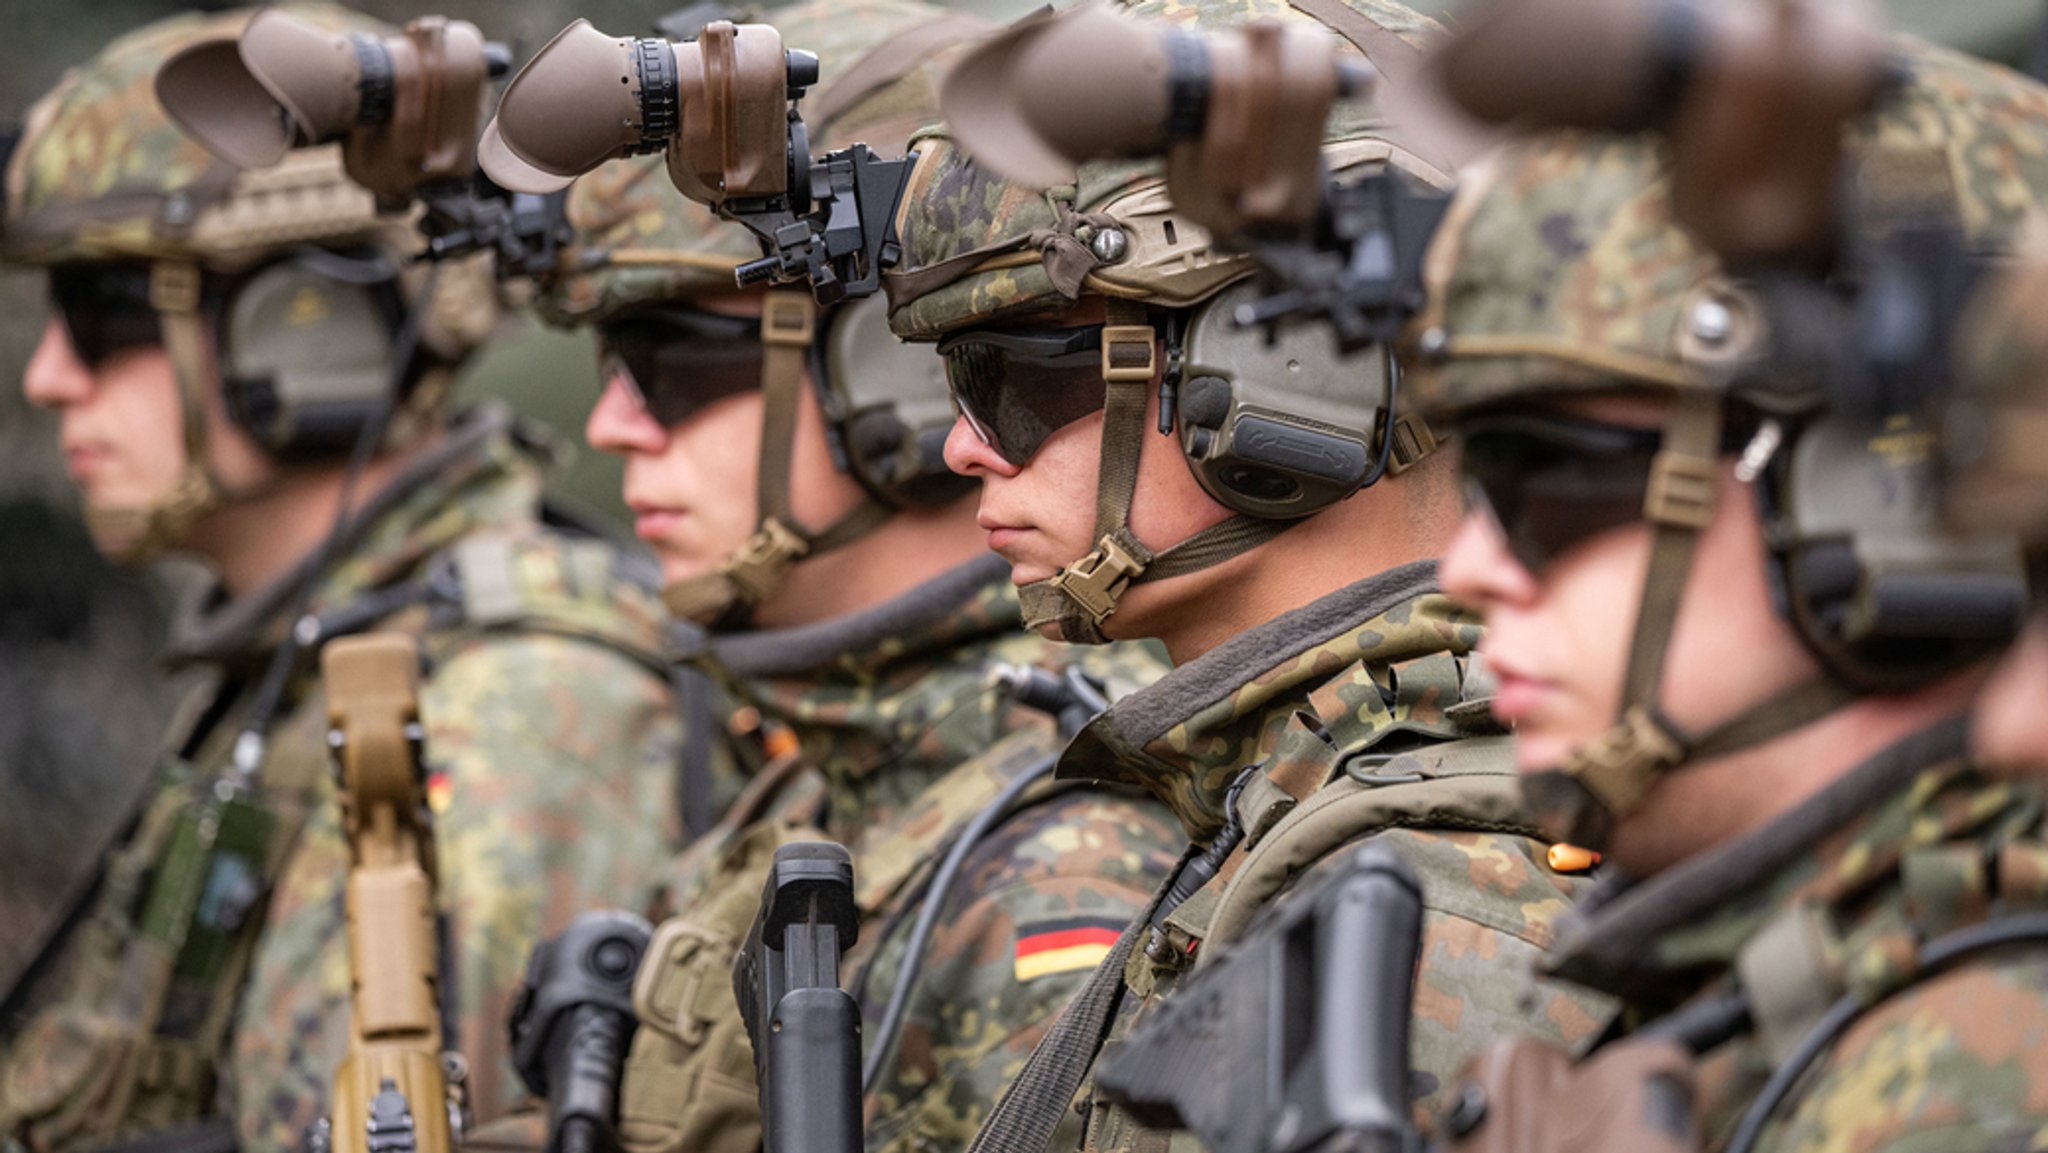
(1879, 590)
(1280, 425)
(305, 350)
(887, 410)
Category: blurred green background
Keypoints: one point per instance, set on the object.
(80, 701)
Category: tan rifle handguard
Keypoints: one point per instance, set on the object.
(392, 1078)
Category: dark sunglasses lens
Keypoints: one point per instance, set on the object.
(1552, 492)
(105, 309)
(1015, 401)
(677, 371)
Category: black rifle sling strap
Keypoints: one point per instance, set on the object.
(1024, 1119)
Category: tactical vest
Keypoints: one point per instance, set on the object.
(1794, 989)
(1323, 788)
(689, 1082)
(153, 977)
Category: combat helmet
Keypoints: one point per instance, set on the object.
(639, 249)
(1564, 270)
(1275, 432)
(281, 289)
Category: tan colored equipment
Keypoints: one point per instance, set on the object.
(404, 107)
(391, 1086)
(1751, 96)
(1240, 114)
(722, 99)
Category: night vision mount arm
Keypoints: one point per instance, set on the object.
(723, 108)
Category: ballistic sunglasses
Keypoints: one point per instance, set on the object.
(677, 361)
(105, 309)
(1553, 482)
(1016, 388)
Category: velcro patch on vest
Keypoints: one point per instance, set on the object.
(1048, 947)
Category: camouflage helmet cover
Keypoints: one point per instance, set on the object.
(101, 173)
(1561, 269)
(651, 244)
(953, 206)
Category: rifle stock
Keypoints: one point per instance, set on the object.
(1294, 1038)
(805, 1028)
(390, 1094)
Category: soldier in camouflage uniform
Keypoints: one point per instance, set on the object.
(221, 341)
(1790, 804)
(849, 600)
(1299, 689)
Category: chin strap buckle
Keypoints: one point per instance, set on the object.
(1096, 581)
(760, 563)
(174, 286)
(1620, 766)
(789, 318)
(1681, 492)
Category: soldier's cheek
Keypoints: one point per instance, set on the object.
(2011, 731)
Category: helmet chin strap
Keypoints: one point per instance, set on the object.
(728, 595)
(1607, 779)
(135, 535)
(1075, 602)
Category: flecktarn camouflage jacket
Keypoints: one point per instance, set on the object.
(551, 742)
(902, 739)
(1839, 898)
(1363, 699)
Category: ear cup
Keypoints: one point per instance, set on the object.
(1879, 592)
(306, 357)
(886, 407)
(1278, 428)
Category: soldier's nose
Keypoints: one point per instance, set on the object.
(619, 423)
(969, 455)
(1478, 569)
(55, 376)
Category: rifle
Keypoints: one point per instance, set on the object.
(573, 1023)
(391, 1094)
(804, 1027)
(1295, 1037)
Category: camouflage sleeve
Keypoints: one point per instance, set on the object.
(1036, 908)
(551, 765)
(1490, 902)
(1956, 1063)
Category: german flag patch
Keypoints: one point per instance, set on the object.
(1048, 947)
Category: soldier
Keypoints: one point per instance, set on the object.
(1072, 323)
(784, 463)
(221, 343)
(1690, 576)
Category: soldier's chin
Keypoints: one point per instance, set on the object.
(122, 534)
(1021, 575)
(679, 567)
